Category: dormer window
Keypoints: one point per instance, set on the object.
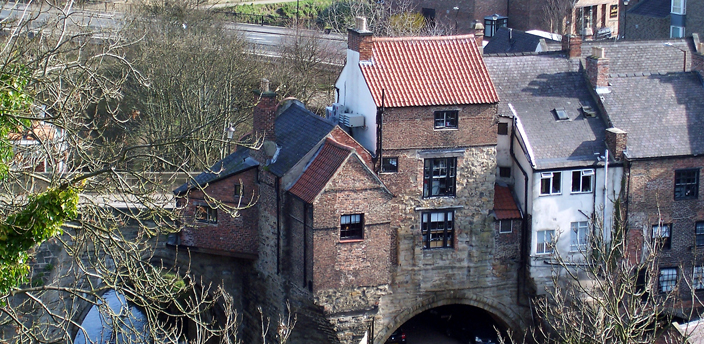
(678, 7)
(446, 119)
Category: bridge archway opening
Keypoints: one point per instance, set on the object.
(451, 324)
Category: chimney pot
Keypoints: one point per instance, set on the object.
(598, 52)
(264, 85)
(360, 23)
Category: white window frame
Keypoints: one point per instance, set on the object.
(698, 277)
(679, 28)
(678, 7)
(579, 235)
(543, 245)
(582, 174)
(551, 177)
(501, 227)
(666, 282)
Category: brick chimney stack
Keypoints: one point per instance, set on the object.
(265, 112)
(359, 39)
(616, 140)
(479, 35)
(573, 45)
(598, 69)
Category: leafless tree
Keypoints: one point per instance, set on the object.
(558, 14)
(78, 72)
(606, 294)
(384, 18)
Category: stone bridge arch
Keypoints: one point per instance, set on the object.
(508, 315)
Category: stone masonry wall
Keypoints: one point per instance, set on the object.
(651, 199)
(234, 234)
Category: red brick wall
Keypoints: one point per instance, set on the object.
(598, 71)
(412, 127)
(651, 198)
(230, 234)
(353, 263)
(361, 43)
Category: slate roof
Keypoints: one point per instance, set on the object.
(663, 115)
(652, 8)
(505, 207)
(232, 164)
(518, 42)
(426, 71)
(652, 56)
(536, 85)
(323, 166)
(297, 131)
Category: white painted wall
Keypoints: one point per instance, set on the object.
(354, 94)
(557, 212)
(503, 154)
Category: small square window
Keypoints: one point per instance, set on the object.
(352, 226)
(545, 242)
(699, 232)
(662, 235)
(676, 31)
(667, 279)
(698, 277)
(505, 172)
(238, 190)
(613, 11)
(446, 119)
(550, 183)
(207, 214)
(579, 235)
(389, 165)
(503, 129)
(678, 6)
(439, 177)
(582, 181)
(437, 229)
(505, 226)
(687, 184)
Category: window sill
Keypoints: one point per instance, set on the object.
(387, 172)
(431, 249)
(580, 192)
(551, 194)
(505, 232)
(685, 198)
(445, 129)
(347, 241)
(440, 196)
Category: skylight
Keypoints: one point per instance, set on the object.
(561, 114)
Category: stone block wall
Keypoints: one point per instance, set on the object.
(235, 232)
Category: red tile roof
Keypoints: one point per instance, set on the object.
(504, 205)
(425, 71)
(319, 172)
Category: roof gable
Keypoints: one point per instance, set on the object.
(323, 166)
(297, 132)
(427, 71)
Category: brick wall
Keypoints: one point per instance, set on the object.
(645, 27)
(231, 234)
(651, 199)
(508, 244)
(352, 263)
(695, 18)
(360, 42)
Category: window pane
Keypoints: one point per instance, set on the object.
(545, 186)
(437, 233)
(556, 183)
(667, 279)
(576, 181)
(586, 183)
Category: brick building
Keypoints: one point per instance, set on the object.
(658, 19)
(657, 102)
(430, 117)
(587, 17)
